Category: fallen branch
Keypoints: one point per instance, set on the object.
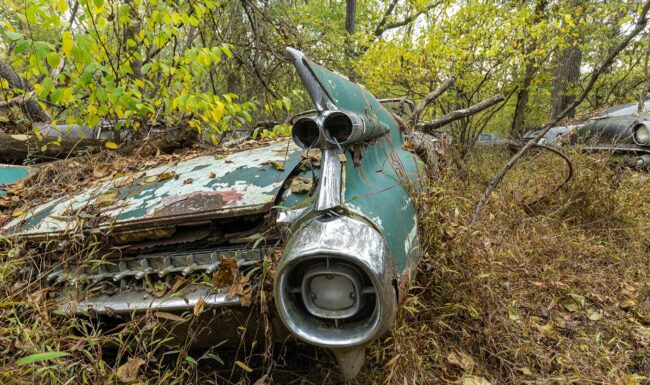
(430, 98)
(17, 148)
(640, 26)
(18, 100)
(459, 114)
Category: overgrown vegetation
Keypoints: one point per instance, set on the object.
(554, 293)
(545, 288)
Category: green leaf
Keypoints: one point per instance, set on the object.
(40, 357)
(226, 50)
(21, 46)
(13, 36)
(214, 357)
(42, 48)
(111, 145)
(145, 68)
(53, 59)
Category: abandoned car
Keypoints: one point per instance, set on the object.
(620, 130)
(328, 214)
(627, 137)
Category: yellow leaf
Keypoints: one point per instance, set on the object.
(18, 213)
(243, 366)
(166, 175)
(111, 145)
(66, 45)
(277, 165)
(20, 137)
(107, 199)
(61, 6)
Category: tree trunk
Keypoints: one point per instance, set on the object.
(350, 15)
(29, 107)
(519, 119)
(350, 20)
(567, 74)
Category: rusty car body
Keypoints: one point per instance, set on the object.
(627, 137)
(329, 214)
(622, 131)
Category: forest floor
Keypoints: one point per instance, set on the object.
(550, 291)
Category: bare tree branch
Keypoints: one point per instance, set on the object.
(380, 27)
(640, 26)
(430, 98)
(459, 114)
(384, 26)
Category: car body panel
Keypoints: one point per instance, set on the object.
(10, 174)
(377, 185)
(201, 188)
(610, 134)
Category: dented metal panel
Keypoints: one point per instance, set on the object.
(196, 189)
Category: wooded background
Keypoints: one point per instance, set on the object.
(221, 65)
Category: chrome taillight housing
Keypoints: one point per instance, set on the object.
(334, 285)
(641, 133)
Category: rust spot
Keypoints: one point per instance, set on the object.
(404, 281)
(231, 196)
(189, 203)
(196, 202)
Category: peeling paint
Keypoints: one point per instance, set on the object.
(245, 181)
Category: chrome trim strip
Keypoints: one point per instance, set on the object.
(141, 301)
(316, 92)
(329, 188)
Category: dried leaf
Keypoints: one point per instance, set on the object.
(178, 285)
(20, 137)
(225, 274)
(313, 154)
(525, 371)
(302, 185)
(578, 298)
(199, 307)
(594, 315)
(107, 198)
(571, 306)
(166, 175)
(212, 175)
(277, 165)
(150, 179)
(169, 316)
(188, 181)
(243, 366)
(475, 380)
(128, 373)
(461, 360)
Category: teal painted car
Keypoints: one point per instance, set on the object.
(327, 217)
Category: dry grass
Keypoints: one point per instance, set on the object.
(553, 293)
